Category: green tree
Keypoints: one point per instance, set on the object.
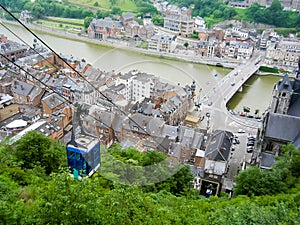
(10, 205)
(186, 44)
(35, 149)
(254, 181)
(37, 11)
(116, 11)
(102, 14)
(158, 20)
(87, 21)
(217, 13)
(113, 2)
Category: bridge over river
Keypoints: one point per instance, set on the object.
(214, 102)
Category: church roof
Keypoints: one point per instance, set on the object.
(285, 84)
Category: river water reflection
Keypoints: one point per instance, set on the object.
(256, 92)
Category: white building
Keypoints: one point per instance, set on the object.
(239, 50)
(162, 43)
(284, 54)
(137, 85)
(199, 23)
(143, 86)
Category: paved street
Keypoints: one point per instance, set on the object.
(214, 105)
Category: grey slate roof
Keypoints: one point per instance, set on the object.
(163, 38)
(93, 73)
(296, 141)
(187, 137)
(175, 149)
(267, 160)
(118, 122)
(107, 22)
(106, 118)
(81, 66)
(285, 84)
(283, 127)
(294, 107)
(138, 122)
(170, 131)
(155, 127)
(35, 92)
(219, 145)
(128, 16)
(53, 100)
(21, 88)
(33, 59)
(197, 140)
(11, 46)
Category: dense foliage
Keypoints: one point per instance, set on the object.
(42, 8)
(268, 69)
(273, 15)
(214, 10)
(207, 8)
(29, 195)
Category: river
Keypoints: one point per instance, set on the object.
(256, 93)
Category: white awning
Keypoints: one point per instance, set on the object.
(16, 124)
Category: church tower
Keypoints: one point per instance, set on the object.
(282, 94)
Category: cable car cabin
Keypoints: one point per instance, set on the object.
(83, 155)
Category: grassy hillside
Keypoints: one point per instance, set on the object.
(124, 5)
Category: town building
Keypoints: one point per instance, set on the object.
(216, 160)
(199, 23)
(182, 25)
(11, 50)
(25, 93)
(239, 50)
(104, 28)
(284, 54)
(162, 43)
(268, 38)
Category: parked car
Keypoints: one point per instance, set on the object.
(235, 141)
(250, 143)
(250, 149)
(241, 131)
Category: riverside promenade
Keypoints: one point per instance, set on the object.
(187, 56)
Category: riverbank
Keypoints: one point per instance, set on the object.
(124, 45)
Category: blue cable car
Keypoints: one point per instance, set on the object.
(83, 153)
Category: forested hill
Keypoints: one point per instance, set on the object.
(80, 9)
(35, 188)
(218, 10)
(212, 11)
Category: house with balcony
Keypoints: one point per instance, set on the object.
(284, 54)
(162, 43)
(239, 50)
(182, 25)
